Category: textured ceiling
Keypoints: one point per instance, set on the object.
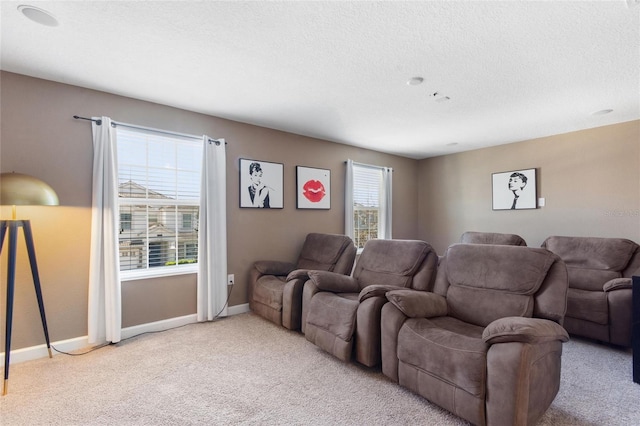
(513, 70)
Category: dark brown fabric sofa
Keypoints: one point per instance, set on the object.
(486, 344)
(599, 304)
(275, 287)
(344, 312)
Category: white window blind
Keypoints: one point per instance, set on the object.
(159, 196)
(367, 184)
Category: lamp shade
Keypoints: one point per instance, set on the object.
(18, 189)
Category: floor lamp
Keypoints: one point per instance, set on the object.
(18, 189)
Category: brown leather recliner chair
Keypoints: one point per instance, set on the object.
(344, 312)
(599, 304)
(486, 343)
(275, 287)
(472, 237)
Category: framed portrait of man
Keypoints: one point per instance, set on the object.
(261, 184)
(514, 190)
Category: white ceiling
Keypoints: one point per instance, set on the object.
(337, 70)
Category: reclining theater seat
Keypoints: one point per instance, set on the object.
(471, 237)
(345, 311)
(275, 287)
(486, 344)
(599, 304)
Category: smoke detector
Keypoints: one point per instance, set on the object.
(439, 97)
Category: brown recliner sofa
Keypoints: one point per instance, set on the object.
(344, 312)
(599, 304)
(486, 344)
(473, 237)
(275, 287)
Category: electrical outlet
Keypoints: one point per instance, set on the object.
(230, 279)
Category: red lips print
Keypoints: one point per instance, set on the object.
(313, 190)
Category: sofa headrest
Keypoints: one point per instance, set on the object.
(471, 237)
(323, 249)
(611, 254)
(391, 262)
(512, 269)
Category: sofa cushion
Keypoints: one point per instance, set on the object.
(322, 251)
(268, 291)
(487, 282)
(334, 312)
(588, 305)
(612, 254)
(590, 279)
(440, 346)
(390, 262)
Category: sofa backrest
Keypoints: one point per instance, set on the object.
(327, 252)
(403, 263)
(485, 282)
(592, 261)
(472, 237)
(633, 268)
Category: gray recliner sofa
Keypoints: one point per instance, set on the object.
(275, 287)
(599, 304)
(344, 312)
(486, 344)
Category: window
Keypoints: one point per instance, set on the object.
(187, 220)
(371, 203)
(159, 196)
(125, 222)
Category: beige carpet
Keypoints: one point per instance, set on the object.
(245, 370)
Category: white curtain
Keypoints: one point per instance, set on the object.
(105, 307)
(348, 201)
(386, 203)
(212, 233)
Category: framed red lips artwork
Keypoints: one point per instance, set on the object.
(313, 188)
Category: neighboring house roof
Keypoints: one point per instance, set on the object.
(131, 189)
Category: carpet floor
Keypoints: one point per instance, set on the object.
(243, 370)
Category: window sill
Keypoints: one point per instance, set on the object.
(158, 272)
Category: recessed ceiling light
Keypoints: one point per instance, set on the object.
(38, 15)
(602, 112)
(414, 81)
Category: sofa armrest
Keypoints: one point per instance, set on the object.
(334, 282)
(617, 284)
(302, 274)
(376, 290)
(274, 267)
(418, 304)
(525, 330)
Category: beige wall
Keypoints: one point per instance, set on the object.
(590, 180)
(40, 137)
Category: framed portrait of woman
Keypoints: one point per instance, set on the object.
(261, 184)
(514, 190)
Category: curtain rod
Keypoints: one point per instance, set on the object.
(371, 166)
(134, 126)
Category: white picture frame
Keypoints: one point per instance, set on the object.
(261, 184)
(313, 187)
(514, 190)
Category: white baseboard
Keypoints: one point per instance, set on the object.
(70, 345)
